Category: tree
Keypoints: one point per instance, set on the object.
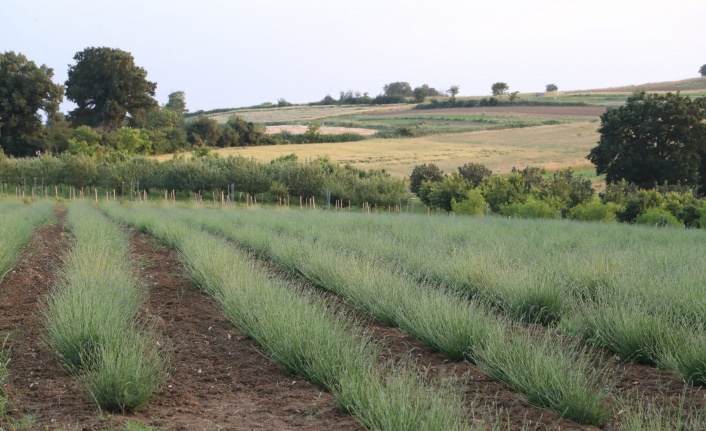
(109, 88)
(203, 131)
(398, 89)
(552, 87)
(474, 173)
(653, 139)
(421, 173)
(25, 89)
(702, 70)
(177, 102)
(452, 91)
(499, 88)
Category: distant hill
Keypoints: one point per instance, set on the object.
(686, 85)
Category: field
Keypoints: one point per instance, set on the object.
(552, 146)
(482, 323)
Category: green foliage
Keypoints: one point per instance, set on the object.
(398, 90)
(551, 87)
(658, 217)
(422, 92)
(203, 131)
(109, 88)
(453, 91)
(313, 129)
(702, 70)
(638, 203)
(25, 89)
(473, 204)
(424, 173)
(474, 173)
(531, 208)
(441, 194)
(653, 139)
(499, 191)
(566, 190)
(499, 88)
(281, 103)
(177, 103)
(594, 210)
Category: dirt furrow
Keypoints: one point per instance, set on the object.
(219, 379)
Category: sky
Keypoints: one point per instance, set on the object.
(244, 52)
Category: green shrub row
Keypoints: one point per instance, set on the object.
(280, 179)
(442, 320)
(304, 334)
(635, 291)
(91, 317)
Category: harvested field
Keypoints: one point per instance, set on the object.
(533, 111)
(554, 147)
(300, 129)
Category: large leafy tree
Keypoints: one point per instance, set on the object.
(499, 88)
(421, 173)
(398, 89)
(25, 89)
(109, 88)
(702, 70)
(652, 139)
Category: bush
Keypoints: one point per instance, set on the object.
(474, 204)
(530, 209)
(658, 217)
(594, 210)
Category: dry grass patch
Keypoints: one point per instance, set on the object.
(301, 113)
(554, 147)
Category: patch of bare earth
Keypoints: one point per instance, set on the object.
(299, 129)
(530, 111)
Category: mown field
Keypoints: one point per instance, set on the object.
(551, 146)
(502, 137)
(163, 316)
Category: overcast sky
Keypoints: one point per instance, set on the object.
(244, 52)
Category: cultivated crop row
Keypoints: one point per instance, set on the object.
(303, 334)
(551, 375)
(18, 222)
(635, 291)
(91, 317)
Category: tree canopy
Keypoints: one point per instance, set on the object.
(453, 91)
(25, 89)
(177, 102)
(552, 87)
(109, 88)
(398, 89)
(653, 139)
(702, 70)
(499, 88)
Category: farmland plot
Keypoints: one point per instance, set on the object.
(570, 270)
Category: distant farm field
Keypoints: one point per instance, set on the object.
(299, 113)
(553, 146)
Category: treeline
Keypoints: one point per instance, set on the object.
(533, 193)
(280, 179)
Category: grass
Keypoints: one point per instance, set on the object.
(304, 335)
(19, 221)
(4, 362)
(554, 147)
(91, 317)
